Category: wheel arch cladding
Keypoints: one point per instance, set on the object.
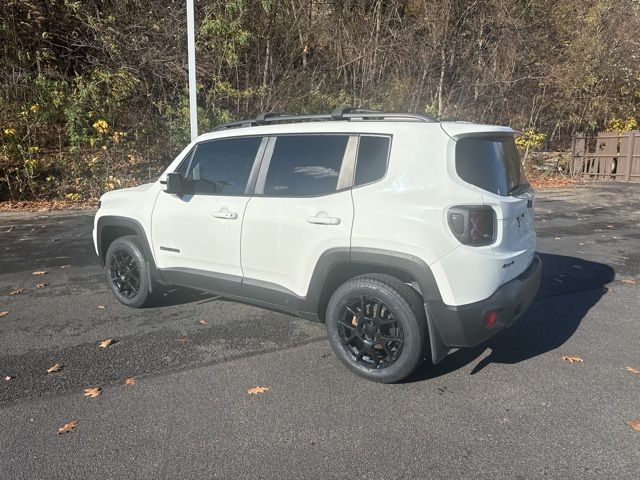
(336, 266)
(112, 227)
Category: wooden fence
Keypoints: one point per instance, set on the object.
(607, 156)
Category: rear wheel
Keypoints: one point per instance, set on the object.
(377, 326)
(128, 272)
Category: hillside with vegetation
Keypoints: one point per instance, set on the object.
(93, 93)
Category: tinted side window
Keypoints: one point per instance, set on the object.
(305, 165)
(372, 159)
(222, 167)
(184, 164)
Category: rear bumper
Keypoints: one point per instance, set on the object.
(463, 326)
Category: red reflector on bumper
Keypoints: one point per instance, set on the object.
(490, 318)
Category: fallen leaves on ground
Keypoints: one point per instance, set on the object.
(92, 392)
(257, 390)
(540, 183)
(17, 291)
(46, 205)
(572, 359)
(633, 371)
(101, 307)
(41, 285)
(635, 424)
(131, 381)
(609, 226)
(65, 266)
(629, 281)
(203, 322)
(9, 377)
(39, 273)
(68, 427)
(183, 339)
(105, 343)
(55, 369)
(4, 314)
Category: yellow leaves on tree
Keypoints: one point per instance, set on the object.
(620, 125)
(101, 126)
(530, 139)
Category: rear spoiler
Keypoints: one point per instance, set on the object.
(457, 130)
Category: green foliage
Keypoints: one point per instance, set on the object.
(93, 95)
(315, 100)
(222, 33)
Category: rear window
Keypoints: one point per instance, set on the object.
(490, 163)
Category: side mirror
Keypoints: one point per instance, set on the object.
(174, 183)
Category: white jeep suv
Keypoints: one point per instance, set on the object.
(406, 236)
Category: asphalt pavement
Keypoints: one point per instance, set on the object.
(511, 408)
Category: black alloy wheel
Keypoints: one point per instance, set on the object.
(370, 333)
(377, 327)
(124, 273)
(128, 272)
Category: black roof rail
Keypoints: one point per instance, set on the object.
(261, 119)
(342, 113)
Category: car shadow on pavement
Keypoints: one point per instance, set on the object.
(570, 287)
(180, 296)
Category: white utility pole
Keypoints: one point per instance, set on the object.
(191, 46)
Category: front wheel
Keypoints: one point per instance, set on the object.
(127, 272)
(377, 326)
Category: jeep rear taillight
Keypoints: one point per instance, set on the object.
(473, 225)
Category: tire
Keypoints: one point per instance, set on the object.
(125, 260)
(362, 346)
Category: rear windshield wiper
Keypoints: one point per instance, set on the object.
(518, 188)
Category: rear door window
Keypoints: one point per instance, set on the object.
(371, 165)
(490, 163)
(305, 165)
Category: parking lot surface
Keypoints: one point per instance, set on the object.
(511, 408)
